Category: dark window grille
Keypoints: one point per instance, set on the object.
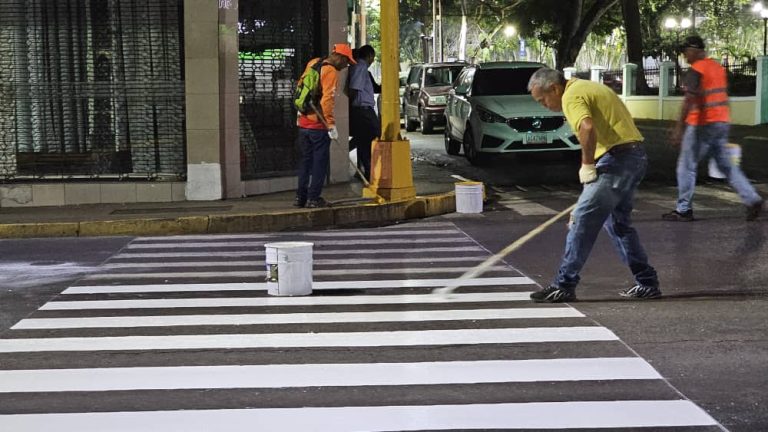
(277, 39)
(91, 88)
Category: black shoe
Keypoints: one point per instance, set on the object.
(553, 294)
(641, 292)
(676, 216)
(317, 203)
(754, 210)
(299, 202)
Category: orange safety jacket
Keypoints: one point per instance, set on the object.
(714, 93)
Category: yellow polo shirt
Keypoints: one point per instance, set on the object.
(612, 121)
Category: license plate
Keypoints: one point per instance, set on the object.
(536, 139)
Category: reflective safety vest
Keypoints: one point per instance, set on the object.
(714, 91)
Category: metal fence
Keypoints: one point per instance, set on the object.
(91, 89)
(277, 38)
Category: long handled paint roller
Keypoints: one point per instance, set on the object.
(366, 183)
(485, 265)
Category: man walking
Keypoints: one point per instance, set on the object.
(318, 128)
(613, 162)
(364, 125)
(705, 117)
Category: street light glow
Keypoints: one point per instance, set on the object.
(509, 31)
(757, 7)
(764, 13)
(670, 23)
(685, 23)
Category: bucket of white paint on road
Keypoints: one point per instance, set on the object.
(469, 197)
(733, 151)
(289, 268)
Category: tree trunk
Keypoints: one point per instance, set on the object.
(576, 27)
(631, 14)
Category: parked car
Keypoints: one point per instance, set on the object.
(426, 90)
(489, 111)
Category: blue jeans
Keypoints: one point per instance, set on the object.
(607, 203)
(708, 141)
(314, 145)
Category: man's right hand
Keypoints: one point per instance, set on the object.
(333, 133)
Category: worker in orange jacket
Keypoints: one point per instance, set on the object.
(317, 129)
(702, 131)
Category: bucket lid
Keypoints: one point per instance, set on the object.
(468, 183)
(289, 245)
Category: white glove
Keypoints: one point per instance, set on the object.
(333, 133)
(587, 173)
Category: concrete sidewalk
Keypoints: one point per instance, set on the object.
(263, 213)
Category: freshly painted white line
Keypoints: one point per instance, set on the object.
(529, 208)
(757, 138)
(535, 415)
(348, 252)
(115, 262)
(193, 245)
(165, 274)
(317, 272)
(293, 236)
(321, 375)
(261, 286)
(285, 301)
(296, 318)
(307, 340)
(718, 194)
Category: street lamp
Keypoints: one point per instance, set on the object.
(762, 12)
(677, 26)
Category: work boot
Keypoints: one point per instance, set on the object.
(553, 294)
(641, 292)
(676, 216)
(754, 210)
(299, 202)
(317, 203)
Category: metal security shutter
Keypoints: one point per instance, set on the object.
(277, 38)
(91, 88)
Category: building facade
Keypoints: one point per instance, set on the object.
(156, 100)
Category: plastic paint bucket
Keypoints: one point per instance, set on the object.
(469, 197)
(289, 268)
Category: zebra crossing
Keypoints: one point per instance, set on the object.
(710, 199)
(179, 334)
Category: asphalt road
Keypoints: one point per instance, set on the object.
(709, 337)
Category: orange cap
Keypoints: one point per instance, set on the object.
(345, 50)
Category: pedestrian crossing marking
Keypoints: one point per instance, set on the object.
(307, 340)
(321, 375)
(315, 252)
(199, 351)
(286, 301)
(296, 318)
(323, 285)
(532, 415)
(346, 242)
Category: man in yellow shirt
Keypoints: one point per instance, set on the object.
(613, 162)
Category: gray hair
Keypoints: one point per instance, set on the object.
(545, 78)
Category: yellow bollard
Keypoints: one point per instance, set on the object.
(391, 171)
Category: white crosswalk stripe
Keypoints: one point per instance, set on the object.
(178, 334)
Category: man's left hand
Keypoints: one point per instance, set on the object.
(587, 173)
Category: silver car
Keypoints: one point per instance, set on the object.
(489, 111)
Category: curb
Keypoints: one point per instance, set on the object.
(416, 208)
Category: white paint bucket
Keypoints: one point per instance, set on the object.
(734, 152)
(289, 268)
(469, 197)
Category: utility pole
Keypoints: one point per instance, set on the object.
(391, 171)
(363, 24)
(440, 29)
(434, 31)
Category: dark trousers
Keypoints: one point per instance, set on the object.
(364, 126)
(314, 145)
